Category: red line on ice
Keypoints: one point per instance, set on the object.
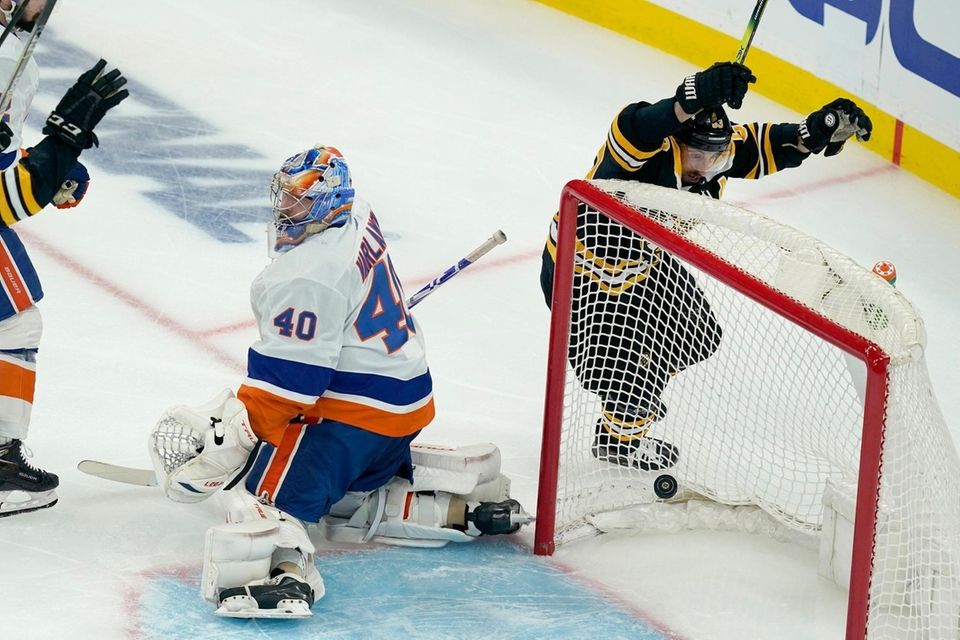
(816, 186)
(152, 313)
(199, 337)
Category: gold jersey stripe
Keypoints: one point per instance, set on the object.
(6, 214)
(628, 146)
(757, 170)
(768, 150)
(25, 183)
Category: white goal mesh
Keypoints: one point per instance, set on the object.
(762, 358)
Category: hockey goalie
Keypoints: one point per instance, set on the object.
(322, 429)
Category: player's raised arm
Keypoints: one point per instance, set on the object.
(828, 128)
(70, 129)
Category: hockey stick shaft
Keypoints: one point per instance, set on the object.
(497, 238)
(747, 39)
(7, 97)
(148, 477)
(116, 473)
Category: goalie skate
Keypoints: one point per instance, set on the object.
(284, 596)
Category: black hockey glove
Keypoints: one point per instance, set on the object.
(724, 82)
(84, 105)
(6, 136)
(832, 125)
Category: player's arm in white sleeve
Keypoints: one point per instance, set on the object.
(289, 368)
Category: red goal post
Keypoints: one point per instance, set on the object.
(769, 282)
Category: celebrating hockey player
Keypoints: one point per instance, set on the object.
(656, 321)
(337, 388)
(48, 172)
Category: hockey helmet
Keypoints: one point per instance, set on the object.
(709, 130)
(311, 192)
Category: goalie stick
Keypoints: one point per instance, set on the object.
(497, 238)
(116, 473)
(148, 478)
(7, 97)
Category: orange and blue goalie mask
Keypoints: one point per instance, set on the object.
(311, 192)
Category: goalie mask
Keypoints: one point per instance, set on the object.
(705, 145)
(311, 192)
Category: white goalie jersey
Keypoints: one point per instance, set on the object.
(336, 338)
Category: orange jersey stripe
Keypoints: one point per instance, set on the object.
(15, 286)
(269, 414)
(277, 467)
(376, 420)
(17, 382)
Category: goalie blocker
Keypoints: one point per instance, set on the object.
(260, 562)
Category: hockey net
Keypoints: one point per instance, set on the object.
(812, 418)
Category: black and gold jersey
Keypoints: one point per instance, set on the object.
(29, 184)
(641, 146)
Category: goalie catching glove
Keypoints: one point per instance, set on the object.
(198, 450)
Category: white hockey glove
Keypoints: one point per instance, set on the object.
(197, 450)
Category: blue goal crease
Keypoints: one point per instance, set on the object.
(211, 184)
(486, 589)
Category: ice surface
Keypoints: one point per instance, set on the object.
(458, 119)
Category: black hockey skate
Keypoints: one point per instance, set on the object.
(23, 487)
(283, 596)
(645, 454)
(495, 518)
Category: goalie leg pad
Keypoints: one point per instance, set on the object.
(431, 511)
(397, 514)
(482, 460)
(471, 471)
(254, 541)
(236, 554)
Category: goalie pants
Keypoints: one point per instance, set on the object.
(625, 347)
(20, 329)
(317, 464)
